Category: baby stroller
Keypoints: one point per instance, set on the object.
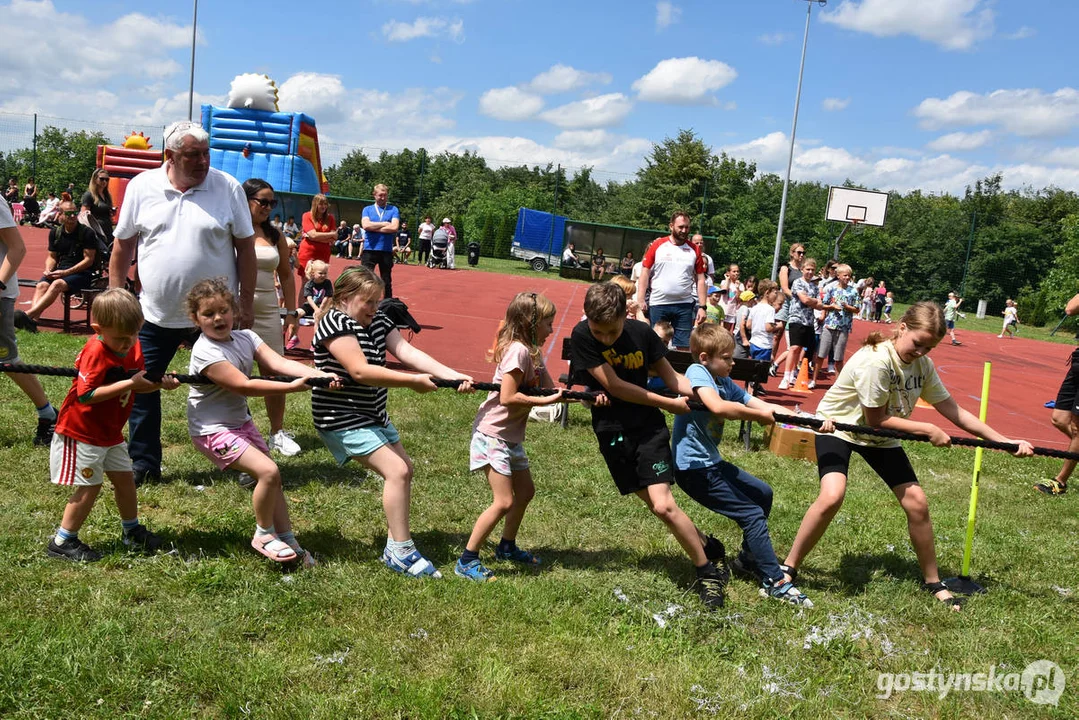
(440, 245)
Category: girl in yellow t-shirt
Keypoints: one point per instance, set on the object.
(878, 387)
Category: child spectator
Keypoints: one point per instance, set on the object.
(89, 440)
(741, 341)
(613, 355)
(868, 295)
(352, 339)
(803, 301)
(664, 330)
(762, 320)
(732, 288)
(715, 312)
(889, 303)
(716, 484)
(1011, 319)
(499, 431)
(951, 312)
(219, 422)
(841, 302)
(633, 310)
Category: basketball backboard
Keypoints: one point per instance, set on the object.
(864, 207)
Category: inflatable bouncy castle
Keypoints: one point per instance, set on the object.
(125, 162)
(251, 139)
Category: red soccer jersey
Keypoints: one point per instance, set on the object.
(102, 423)
(674, 269)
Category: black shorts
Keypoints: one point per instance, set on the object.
(801, 335)
(637, 458)
(891, 464)
(75, 283)
(1066, 395)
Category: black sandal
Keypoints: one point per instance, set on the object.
(791, 572)
(956, 603)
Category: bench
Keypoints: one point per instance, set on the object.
(82, 300)
(745, 370)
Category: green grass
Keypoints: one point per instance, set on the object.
(993, 323)
(508, 266)
(213, 631)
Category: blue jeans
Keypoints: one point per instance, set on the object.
(681, 317)
(732, 492)
(159, 347)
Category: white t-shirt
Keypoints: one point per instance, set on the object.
(760, 317)
(426, 230)
(739, 318)
(876, 377)
(211, 408)
(636, 271)
(729, 297)
(674, 269)
(182, 238)
(1011, 315)
(7, 220)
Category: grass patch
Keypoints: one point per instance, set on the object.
(213, 631)
(992, 324)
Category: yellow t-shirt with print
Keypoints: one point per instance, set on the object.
(876, 377)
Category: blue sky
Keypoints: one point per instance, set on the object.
(898, 94)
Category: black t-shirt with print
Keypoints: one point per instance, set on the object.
(69, 247)
(635, 350)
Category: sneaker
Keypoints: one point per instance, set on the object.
(517, 555)
(812, 384)
(24, 322)
(246, 481)
(474, 571)
(414, 565)
(1052, 486)
(786, 592)
(283, 443)
(75, 550)
(773, 370)
(141, 539)
(710, 590)
(714, 549)
(784, 384)
(306, 322)
(293, 343)
(45, 430)
(956, 342)
(143, 477)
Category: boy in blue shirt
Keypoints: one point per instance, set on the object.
(719, 485)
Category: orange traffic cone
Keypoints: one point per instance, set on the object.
(801, 385)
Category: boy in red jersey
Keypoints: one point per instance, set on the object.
(89, 440)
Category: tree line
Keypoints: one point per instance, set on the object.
(990, 244)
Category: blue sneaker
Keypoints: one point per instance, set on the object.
(785, 592)
(414, 565)
(474, 571)
(517, 555)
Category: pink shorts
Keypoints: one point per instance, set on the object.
(225, 447)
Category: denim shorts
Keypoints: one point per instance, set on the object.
(358, 442)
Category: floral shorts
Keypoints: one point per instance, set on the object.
(503, 457)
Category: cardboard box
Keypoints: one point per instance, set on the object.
(791, 441)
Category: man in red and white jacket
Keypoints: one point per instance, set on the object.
(674, 270)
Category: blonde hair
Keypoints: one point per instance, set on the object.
(315, 200)
(710, 339)
(627, 285)
(117, 309)
(605, 303)
(766, 286)
(523, 316)
(842, 267)
(355, 280)
(209, 289)
(924, 315)
(665, 330)
(97, 194)
(809, 261)
(313, 267)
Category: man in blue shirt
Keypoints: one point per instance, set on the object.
(381, 222)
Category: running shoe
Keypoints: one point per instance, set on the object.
(1052, 486)
(75, 550)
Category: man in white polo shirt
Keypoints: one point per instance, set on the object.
(188, 222)
(674, 272)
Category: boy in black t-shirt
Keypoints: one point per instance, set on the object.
(613, 355)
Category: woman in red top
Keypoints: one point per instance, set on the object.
(319, 233)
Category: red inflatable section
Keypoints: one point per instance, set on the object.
(123, 164)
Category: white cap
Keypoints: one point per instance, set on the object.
(445, 220)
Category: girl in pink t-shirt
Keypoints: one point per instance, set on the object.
(499, 432)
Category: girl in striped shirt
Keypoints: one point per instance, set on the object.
(352, 339)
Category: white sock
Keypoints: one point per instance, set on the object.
(259, 530)
(400, 550)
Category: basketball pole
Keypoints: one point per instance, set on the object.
(963, 583)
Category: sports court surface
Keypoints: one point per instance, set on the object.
(459, 311)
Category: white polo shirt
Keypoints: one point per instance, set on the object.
(183, 238)
(674, 269)
(7, 220)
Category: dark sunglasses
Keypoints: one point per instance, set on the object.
(265, 203)
(70, 213)
(799, 252)
(103, 178)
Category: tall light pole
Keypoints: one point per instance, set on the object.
(191, 84)
(794, 129)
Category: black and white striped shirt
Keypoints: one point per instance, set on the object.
(353, 406)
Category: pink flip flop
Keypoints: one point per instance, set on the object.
(273, 548)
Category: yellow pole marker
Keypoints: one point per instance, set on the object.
(977, 472)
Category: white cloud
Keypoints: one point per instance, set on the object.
(397, 31)
(582, 139)
(1067, 156)
(563, 78)
(667, 14)
(777, 38)
(1022, 33)
(684, 81)
(961, 141)
(951, 24)
(1026, 112)
(835, 104)
(595, 112)
(510, 103)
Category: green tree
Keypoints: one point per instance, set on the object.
(63, 156)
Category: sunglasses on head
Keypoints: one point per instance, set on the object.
(265, 203)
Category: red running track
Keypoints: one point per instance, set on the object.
(460, 311)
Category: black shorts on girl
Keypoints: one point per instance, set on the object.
(638, 457)
(891, 463)
(1069, 389)
(801, 335)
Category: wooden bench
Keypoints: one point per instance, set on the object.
(745, 370)
(81, 301)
